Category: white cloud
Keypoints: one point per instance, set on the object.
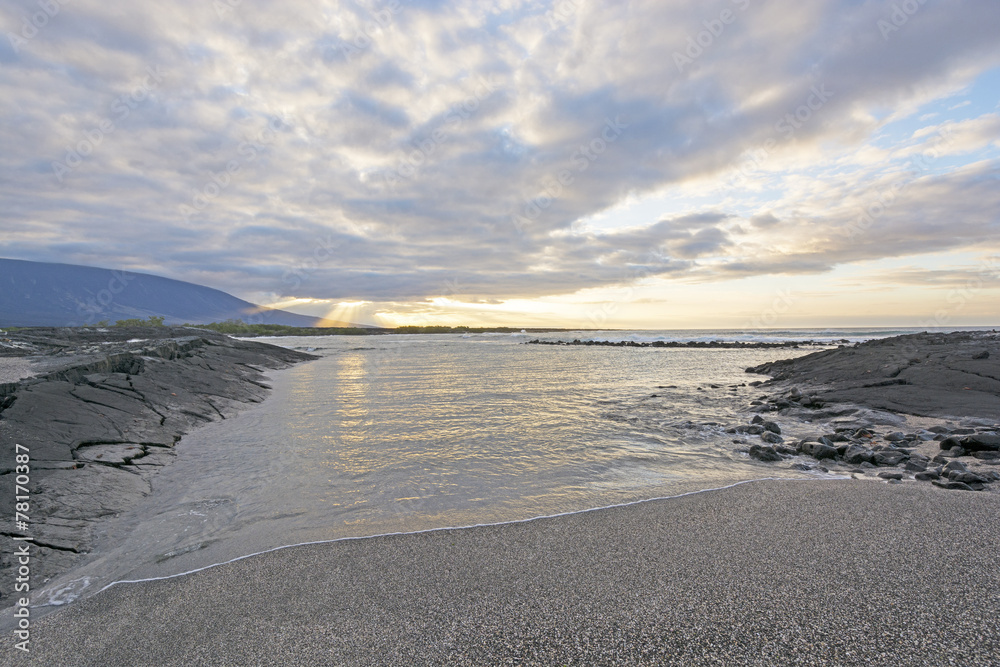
(400, 138)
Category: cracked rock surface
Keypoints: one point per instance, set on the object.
(926, 374)
(102, 414)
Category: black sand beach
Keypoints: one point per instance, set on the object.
(766, 573)
(847, 572)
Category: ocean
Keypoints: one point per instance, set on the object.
(403, 433)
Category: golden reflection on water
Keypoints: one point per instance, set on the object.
(388, 430)
(408, 433)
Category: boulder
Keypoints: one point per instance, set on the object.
(772, 438)
(949, 442)
(818, 450)
(891, 475)
(772, 427)
(955, 465)
(981, 442)
(764, 453)
(889, 458)
(857, 454)
(968, 477)
(953, 486)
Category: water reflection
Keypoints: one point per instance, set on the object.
(420, 432)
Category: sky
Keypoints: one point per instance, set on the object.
(629, 164)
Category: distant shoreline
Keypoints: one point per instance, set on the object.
(714, 344)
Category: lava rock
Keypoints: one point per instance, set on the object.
(891, 475)
(757, 419)
(818, 450)
(889, 458)
(772, 438)
(955, 465)
(895, 436)
(949, 442)
(981, 442)
(764, 453)
(985, 354)
(953, 486)
(927, 476)
(967, 477)
(772, 427)
(856, 454)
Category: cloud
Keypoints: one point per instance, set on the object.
(380, 150)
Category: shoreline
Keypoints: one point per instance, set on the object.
(745, 574)
(702, 345)
(101, 414)
(492, 524)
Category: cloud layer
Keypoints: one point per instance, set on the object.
(403, 150)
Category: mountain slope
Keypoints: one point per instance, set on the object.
(45, 294)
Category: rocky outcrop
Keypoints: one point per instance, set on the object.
(931, 375)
